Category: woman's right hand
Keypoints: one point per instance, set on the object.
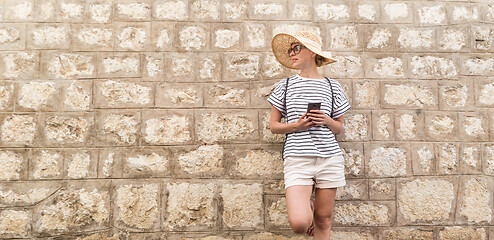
(303, 123)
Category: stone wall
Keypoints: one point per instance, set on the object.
(148, 119)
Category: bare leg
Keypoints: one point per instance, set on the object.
(323, 214)
(300, 215)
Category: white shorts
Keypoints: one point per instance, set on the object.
(328, 172)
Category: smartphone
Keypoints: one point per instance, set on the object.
(313, 106)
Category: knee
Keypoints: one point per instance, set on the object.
(299, 227)
(323, 220)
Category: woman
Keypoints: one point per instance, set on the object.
(313, 160)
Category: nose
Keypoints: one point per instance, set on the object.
(292, 53)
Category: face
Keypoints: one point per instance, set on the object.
(302, 58)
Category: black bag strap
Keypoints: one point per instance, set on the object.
(286, 110)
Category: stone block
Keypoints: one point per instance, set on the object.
(354, 159)
(457, 95)
(133, 10)
(355, 189)
(477, 65)
(367, 11)
(92, 37)
(333, 11)
(382, 189)
(190, 206)
(409, 125)
(356, 127)
(14, 164)
(170, 10)
(441, 126)
(180, 67)
(118, 128)
(26, 194)
(19, 130)
(455, 232)
(19, 10)
(234, 10)
(346, 66)
(453, 39)
(19, 65)
(15, 223)
(488, 159)
(123, 94)
(132, 36)
(83, 206)
(257, 162)
(481, 38)
(153, 68)
(232, 126)
(267, 9)
(379, 38)
(241, 66)
(470, 158)
(365, 94)
(81, 163)
(274, 187)
(163, 36)
(146, 163)
(430, 66)
(266, 134)
(461, 13)
(205, 10)
(209, 67)
(300, 10)
(183, 95)
(70, 11)
(77, 95)
(418, 205)
(45, 11)
(429, 14)
(69, 129)
(192, 36)
(255, 36)
(242, 206)
(227, 95)
(46, 163)
(200, 236)
(136, 205)
(491, 124)
(407, 233)
(473, 126)
(110, 163)
(39, 96)
(396, 12)
(99, 11)
(484, 89)
(416, 39)
(167, 127)
(364, 213)
(48, 36)
(383, 126)
(119, 65)
(276, 213)
(7, 96)
(13, 36)
(448, 159)
(423, 159)
(387, 160)
(65, 65)
(487, 11)
(202, 162)
(385, 66)
(343, 37)
(475, 200)
(271, 68)
(261, 91)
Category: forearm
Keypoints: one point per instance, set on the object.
(282, 128)
(335, 126)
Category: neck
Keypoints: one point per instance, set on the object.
(310, 72)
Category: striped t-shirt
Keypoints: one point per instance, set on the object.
(317, 141)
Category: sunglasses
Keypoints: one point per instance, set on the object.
(296, 49)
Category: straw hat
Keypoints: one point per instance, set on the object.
(282, 42)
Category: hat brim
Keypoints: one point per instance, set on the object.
(283, 41)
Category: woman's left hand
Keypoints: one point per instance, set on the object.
(319, 117)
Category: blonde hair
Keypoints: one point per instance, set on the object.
(320, 60)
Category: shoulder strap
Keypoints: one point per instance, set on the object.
(332, 97)
(284, 99)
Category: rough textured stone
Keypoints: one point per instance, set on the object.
(356, 127)
(19, 129)
(407, 234)
(136, 206)
(426, 201)
(450, 233)
(11, 165)
(235, 199)
(206, 159)
(48, 164)
(121, 128)
(14, 223)
(432, 67)
(366, 94)
(448, 158)
(167, 130)
(344, 37)
(21, 65)
(476, 202)
(388, 162)
(191, 206)
(276, 212)
(354, 161)
(220, 127)
(260, 163)
(371, 214)
(67, 129)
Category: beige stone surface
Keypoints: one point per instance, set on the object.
(242, 206)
